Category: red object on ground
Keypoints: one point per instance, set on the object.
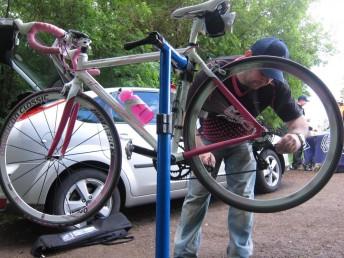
(3, 203)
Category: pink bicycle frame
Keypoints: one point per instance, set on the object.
(69, 115)
(257, 132)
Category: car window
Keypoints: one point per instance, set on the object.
(30, 62)
(151, 98)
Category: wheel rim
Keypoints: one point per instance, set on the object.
(272, 173)
(309, 188)
(27, 176)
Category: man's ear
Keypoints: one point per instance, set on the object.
(248, 53)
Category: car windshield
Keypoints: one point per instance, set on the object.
(151, 98)
(44, 76)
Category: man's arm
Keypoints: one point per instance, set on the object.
(291, 142)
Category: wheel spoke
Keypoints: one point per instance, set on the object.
(266, 172)
(270, 179)
(97, 191)
(87, 152)
(75, 206)
(26, 172)
(82, 189)
(89, 138)
(27, 150)
(34, 140)
(273, 164)
(29, 161)
(55, 120)
(47, 122)
(43, 184)
(34, 128)
(275, 174)
(38, 179)
(75, 130)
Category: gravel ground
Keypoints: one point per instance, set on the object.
(314, 229)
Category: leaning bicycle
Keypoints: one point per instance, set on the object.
(84, 129)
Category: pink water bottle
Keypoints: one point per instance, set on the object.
(135, 105)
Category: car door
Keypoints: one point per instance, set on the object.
(142, 175)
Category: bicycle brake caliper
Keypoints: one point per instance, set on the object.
(129, 149)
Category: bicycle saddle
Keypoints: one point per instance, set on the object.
(197, 10)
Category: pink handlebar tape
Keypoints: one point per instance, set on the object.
(48, 28)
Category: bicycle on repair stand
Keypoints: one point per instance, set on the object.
(46, 157)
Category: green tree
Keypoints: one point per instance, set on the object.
(110, 23)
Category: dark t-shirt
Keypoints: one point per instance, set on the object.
(301, 108)
(220, 121)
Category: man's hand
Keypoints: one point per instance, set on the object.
(289, 143)
(208, 159)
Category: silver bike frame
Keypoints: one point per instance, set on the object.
(82, 76)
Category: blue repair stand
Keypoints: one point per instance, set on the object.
(162, 240)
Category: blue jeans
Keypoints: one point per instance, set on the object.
(195, 206)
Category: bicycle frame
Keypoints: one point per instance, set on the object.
(82, 76)
(73, 45)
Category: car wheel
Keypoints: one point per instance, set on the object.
(269, 179)
(82, 186)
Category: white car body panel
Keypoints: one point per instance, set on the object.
(138, 175)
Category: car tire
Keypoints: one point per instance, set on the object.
(269, 180)
(93, 178)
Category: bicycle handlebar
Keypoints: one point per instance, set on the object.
(134, 44)
(153, 38)
(32, 28)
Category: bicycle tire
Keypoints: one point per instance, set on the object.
(30, 179)
(294, 197)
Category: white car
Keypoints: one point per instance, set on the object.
(138, 179)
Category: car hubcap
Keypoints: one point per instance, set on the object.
(271, 174)
(82, 193)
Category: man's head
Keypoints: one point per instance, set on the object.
(266, 46)
(302, 100)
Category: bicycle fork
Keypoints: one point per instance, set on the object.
(68, 119)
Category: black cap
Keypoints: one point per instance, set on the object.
(302, 98)
(271, 46)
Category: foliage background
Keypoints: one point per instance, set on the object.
(110, 23)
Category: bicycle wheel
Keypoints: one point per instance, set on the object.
(32, 180)
(296, 186)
